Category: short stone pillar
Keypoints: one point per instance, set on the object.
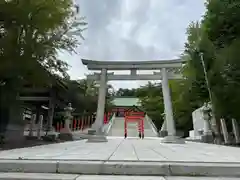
(31, 126)
(66, 133)
(207, 136)
(236, 131)
(40, 125)
(224, 131)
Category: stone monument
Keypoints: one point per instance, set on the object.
(201, 119)
(207, 116)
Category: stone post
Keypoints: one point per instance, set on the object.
(224, 131)
(171, 129)
(236, 131)
(40, 124)
(32, 123)
(207, 133)
(66, 133)
(97, 127)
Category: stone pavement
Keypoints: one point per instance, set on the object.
(131, 149)
(130, 157)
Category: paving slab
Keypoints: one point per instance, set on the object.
(130, 156)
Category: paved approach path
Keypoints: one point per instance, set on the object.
(117, 128)
(132, 149)
(118, 156)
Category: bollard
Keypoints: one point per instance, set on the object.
(32, 122)
(40, 123)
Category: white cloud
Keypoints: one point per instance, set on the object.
(133, 30)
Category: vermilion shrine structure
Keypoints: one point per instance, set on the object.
(138, 118)
(167, 71)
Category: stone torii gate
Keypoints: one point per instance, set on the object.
(165, 74)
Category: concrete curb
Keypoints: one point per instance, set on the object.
(121, 168)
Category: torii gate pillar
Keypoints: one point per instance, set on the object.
(171, 129)
(168, 104)
(97, 128)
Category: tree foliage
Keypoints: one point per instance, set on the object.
(217, 38)
(31, 34)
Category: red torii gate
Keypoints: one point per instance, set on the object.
(137, 117)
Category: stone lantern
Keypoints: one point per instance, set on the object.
(68, 114)
(66, 132)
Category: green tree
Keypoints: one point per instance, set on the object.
(32, 33)
(222, 22)
(222, 27)
(217, 38)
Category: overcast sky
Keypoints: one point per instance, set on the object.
(133, 30)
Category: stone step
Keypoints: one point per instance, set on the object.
(37, 176)
(46, 176)
(121, 167)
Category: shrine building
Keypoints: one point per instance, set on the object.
(123, 104)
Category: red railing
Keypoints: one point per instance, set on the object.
(80, 123)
